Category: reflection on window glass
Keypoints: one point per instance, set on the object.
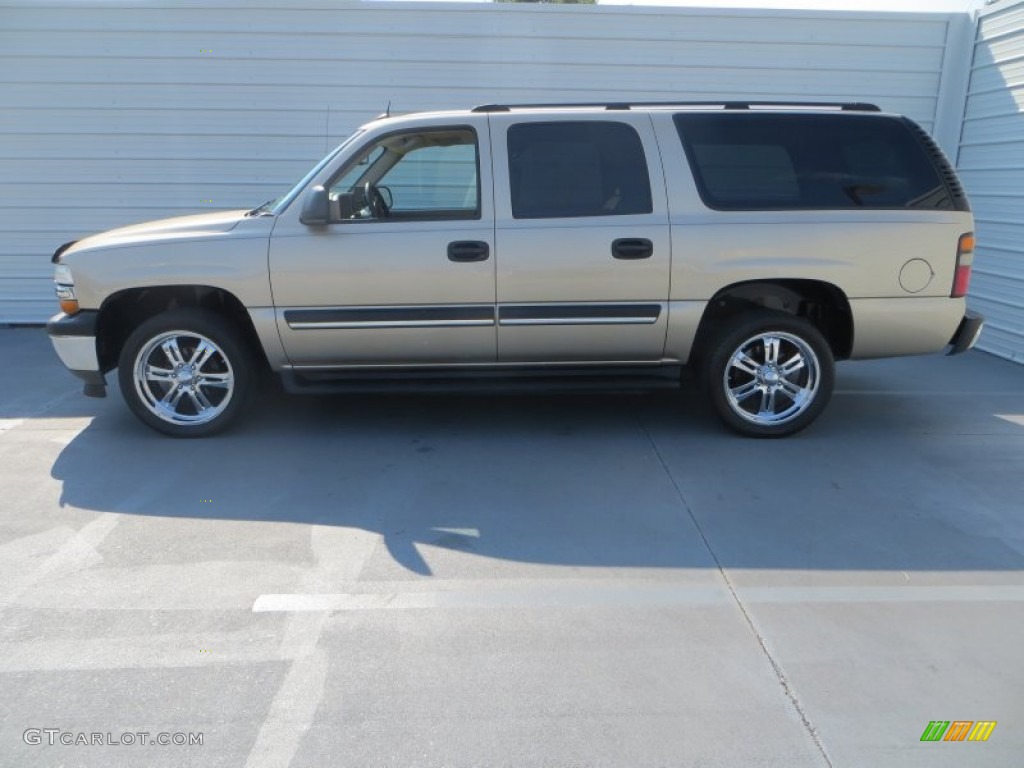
(434, 178)
(741, 172)
(420, 175)
(349, 177)
(577, 168)
(749, 162)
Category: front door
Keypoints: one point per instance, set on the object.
(404, 273)
(583, 238)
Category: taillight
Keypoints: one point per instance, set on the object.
(964, 259)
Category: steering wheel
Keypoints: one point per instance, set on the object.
(375, 200)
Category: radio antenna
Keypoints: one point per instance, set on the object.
(327, 129)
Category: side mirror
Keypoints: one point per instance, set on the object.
(316, 208)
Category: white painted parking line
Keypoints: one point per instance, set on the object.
(471, 532)
(598, 594)
(291, 713)
(163, 651)
(32, 411)
(339, 556)
(79, 553)
(546, 596)
(76, 553)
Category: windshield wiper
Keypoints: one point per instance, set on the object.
(263, 210)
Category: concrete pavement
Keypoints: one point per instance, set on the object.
(607, 580)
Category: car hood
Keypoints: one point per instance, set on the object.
(165, 229)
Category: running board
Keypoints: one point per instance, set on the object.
(488, 381)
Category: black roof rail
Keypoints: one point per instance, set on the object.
(846, 106)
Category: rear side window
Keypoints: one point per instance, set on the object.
(797, 162)
(577, 168)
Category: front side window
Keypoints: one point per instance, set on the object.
(577, 168)
(421, 175)
(798, 162)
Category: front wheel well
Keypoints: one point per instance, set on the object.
(123, 312)
(823, 304)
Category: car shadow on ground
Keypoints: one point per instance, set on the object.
(614, 480)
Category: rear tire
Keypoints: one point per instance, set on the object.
(768, 374)
(186, 372)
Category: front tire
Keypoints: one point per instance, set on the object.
(768, 374)
(186, 372)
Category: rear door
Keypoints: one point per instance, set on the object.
(582, 237)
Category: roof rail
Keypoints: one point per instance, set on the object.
(845, 106)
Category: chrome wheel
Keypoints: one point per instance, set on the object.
(771, 378)
(183, 378)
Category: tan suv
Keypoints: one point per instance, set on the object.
(572, 245)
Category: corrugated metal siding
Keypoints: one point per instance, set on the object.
(118, 112)
(991, 165)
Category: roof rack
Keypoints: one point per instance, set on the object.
(855, 106)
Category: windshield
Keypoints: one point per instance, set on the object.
(277, 206)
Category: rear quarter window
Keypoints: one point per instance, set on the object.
(800, 162)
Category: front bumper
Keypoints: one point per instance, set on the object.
(967, 333)
(74, 339)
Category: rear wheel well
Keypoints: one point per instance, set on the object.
(123, 312)
(822, 304)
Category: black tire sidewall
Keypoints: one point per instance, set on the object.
(202, 322)
(723, 344)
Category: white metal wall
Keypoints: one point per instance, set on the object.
(991, 165)
(115, 112)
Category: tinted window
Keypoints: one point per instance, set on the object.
(749, 161)
(570, 169)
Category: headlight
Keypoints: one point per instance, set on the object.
(64, 283)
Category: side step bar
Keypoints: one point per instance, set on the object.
(319, 382)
